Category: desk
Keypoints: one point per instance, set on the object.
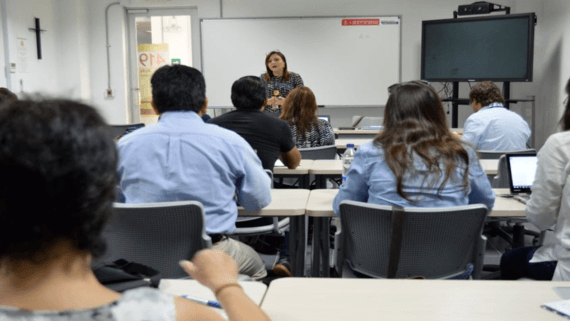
(301, 172)
(490, 166)
(372, 299)
(341, 142)
(254, 290)
(319, 206)
(292, 203)
(333, 167)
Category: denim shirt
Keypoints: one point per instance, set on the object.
(182, 158)
(496, 128)
(370, 180)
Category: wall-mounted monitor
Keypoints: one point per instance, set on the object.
(496, 48)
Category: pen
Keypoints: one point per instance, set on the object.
(213, 304)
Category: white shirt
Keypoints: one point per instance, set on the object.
(496, 128)
(549, 204)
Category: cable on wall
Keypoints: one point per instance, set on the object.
(108, 45)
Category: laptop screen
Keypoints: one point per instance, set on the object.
(522, 169)
(325, 117)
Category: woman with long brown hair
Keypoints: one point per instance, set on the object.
(548, 207)
(415, 161)
(300, 112)
(279, 81)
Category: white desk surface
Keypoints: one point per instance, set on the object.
(334, 166)
(375, 131)
(320, 204)
(490, 166)
(341, 142)
(370, 299)
(284, 202)
(255, 290)
(302, 169)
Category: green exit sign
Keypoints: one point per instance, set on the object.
(176, 61)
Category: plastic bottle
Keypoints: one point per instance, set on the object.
(347, 158)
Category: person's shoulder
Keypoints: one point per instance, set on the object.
(144, 300)
(370, 150)
(137, 135)
(559, 139)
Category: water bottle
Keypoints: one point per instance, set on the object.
(347, 158)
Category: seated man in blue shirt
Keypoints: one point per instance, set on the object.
(493, 127)
(183, 158)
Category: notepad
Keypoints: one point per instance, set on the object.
(559, 307)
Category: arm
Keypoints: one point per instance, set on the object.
(290, 155)
(292, 158)
(472, 131)
(551, 172)
(326, 133)
(355, 187)
(217, 270)
(481, 190)
(253, 187)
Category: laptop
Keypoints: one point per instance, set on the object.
(522, 169)
(325, 117)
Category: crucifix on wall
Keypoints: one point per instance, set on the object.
(38, 38)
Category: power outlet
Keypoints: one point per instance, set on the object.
(109, 93)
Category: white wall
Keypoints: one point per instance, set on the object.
(74, 49)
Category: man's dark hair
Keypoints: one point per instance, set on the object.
(7, 96)
(248, 93)
(58, 168)
(178, 87)
(486, 93)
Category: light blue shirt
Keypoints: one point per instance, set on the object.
(370, 180)
(496, 128)
(182, 158)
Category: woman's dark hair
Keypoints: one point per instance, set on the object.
(300, 109)
(58, 168)
(7, 96)
(269, 73)
(486, 93)
(177, 88)
(565, 120)
(248, 93)
(415, 125)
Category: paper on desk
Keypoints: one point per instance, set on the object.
(279, 163)
(560, 307)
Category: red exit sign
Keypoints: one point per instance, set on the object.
(360, 22)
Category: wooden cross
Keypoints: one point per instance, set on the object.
(38, 39)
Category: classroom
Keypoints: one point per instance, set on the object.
(88, 55)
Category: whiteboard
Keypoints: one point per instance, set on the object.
(345, 63)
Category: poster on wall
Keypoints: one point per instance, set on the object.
(22, 55)
(150, 57)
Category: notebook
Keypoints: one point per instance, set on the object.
(522, 169)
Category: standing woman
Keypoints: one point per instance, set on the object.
(548, 207)
(279, 81)
(300, 112)
(415, 161)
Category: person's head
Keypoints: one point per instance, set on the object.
(58, 167)
(248, 93)
(275, 62)
(178, 88)
(300, 109)
(7, 96)
(415, 125)
(484, 94)
(565, 120)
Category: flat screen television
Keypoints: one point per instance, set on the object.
(496, 48)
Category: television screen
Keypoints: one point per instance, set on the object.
(496, 48)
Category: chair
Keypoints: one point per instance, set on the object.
(119, 130)
(491, 154)
(260, 225)
(158, 235)
(322, 152)
(436, 243)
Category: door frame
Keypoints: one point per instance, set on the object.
(133, 113)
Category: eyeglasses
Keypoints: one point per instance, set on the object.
(413, 82)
